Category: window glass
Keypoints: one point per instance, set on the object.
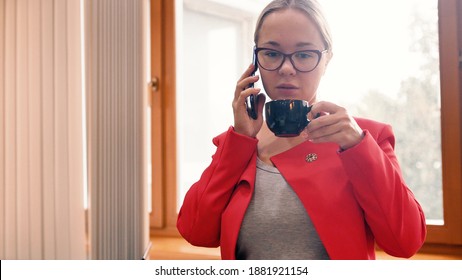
(211, 62)
(386, 67)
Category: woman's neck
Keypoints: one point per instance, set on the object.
(270, 145)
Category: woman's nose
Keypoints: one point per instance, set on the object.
(287, 68)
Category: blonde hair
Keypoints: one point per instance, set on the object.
(310, 7)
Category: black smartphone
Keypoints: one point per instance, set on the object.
(251, 101)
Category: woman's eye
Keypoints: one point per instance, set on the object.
(303, 55)
(273, 54)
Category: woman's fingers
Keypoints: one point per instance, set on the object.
(334, 124)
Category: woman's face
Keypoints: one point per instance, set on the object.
(289, 31)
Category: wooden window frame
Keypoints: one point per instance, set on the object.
(163, 118)
(450, 38)
(447, 237)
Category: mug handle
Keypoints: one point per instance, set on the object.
(309, 110)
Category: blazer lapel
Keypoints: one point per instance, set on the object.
(309, 169)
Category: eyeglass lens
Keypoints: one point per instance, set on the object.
(303, 61)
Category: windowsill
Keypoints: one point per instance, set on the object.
(176, 248)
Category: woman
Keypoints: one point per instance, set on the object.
(331, 193)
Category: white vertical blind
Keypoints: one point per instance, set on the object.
(41, 147)
(116, 121)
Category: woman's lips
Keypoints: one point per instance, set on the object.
(286, 86)
(286, 89)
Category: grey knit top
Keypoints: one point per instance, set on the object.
(276, 224)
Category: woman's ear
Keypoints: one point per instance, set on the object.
(327, 60)
(329, 57)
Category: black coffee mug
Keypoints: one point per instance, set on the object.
(287, 117)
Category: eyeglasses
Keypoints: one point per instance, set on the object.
(302, 61)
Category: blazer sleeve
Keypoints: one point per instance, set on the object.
(390, 208)
(199, 219)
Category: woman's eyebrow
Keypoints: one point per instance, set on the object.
(304, 44)
(272, 43)
(298, 45)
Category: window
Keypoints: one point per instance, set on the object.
(431, 164)
(388, 70)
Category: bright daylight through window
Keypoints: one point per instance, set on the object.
(388, 70)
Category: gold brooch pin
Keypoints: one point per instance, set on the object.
(311, 157)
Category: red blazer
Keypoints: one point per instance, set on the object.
(354, 198)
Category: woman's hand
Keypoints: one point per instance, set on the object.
(243, 123)
(334, 124)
